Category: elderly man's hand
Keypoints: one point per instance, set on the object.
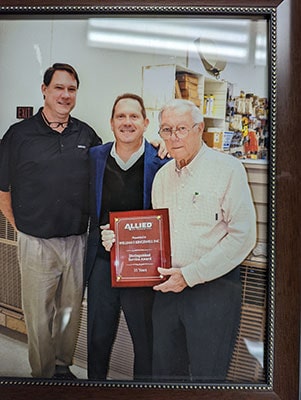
(107, 237)
(175, 283)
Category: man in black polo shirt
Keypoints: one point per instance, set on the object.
(44, 186)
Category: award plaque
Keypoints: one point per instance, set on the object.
(142, 245)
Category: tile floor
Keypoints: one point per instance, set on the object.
(14, 358)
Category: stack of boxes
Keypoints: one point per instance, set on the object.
(187, 88)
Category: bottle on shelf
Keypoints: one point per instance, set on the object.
(209, 105)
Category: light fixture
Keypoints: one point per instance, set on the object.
(216, 41)
(211, 59)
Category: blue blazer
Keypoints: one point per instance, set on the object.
(98, 160)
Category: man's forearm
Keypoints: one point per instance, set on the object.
(6, 207)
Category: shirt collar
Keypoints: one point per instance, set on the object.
(131, 161)
(189, 168)
(72, 126)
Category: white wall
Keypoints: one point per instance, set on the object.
(28, 47)
(247, 77)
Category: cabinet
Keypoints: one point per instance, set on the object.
(158, 87)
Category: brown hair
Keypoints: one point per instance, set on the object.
(129, 96)
(59, 67)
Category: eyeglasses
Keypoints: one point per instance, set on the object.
(55, 125)
(180, 131)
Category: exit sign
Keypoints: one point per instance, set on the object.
(24, 112)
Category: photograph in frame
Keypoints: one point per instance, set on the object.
(265, 382)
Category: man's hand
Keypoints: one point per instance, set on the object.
(162, 151)
(107, 237)
(6, 207)
(175, 283)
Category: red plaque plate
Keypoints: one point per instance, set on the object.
(142, 245)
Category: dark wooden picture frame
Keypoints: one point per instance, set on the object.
(283, 382)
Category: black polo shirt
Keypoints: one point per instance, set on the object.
(47, 173)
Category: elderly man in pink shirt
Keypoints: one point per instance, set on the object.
(196, 311)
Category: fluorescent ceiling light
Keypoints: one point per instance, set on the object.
(175, 36)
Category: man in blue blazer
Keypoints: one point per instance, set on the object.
(122, 173)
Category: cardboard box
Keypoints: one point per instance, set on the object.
(188, 85)
(189, 92)
(214, 139)
(188, 78)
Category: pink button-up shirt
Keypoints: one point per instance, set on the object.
(212, 216)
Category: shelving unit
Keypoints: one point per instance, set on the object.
(219, 91)
(158, 87)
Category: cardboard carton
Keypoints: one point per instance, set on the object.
(213, 139)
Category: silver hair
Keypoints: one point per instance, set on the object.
(183, 105)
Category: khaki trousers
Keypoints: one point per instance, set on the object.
(52, 289)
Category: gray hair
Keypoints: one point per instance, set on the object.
(183, 105)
